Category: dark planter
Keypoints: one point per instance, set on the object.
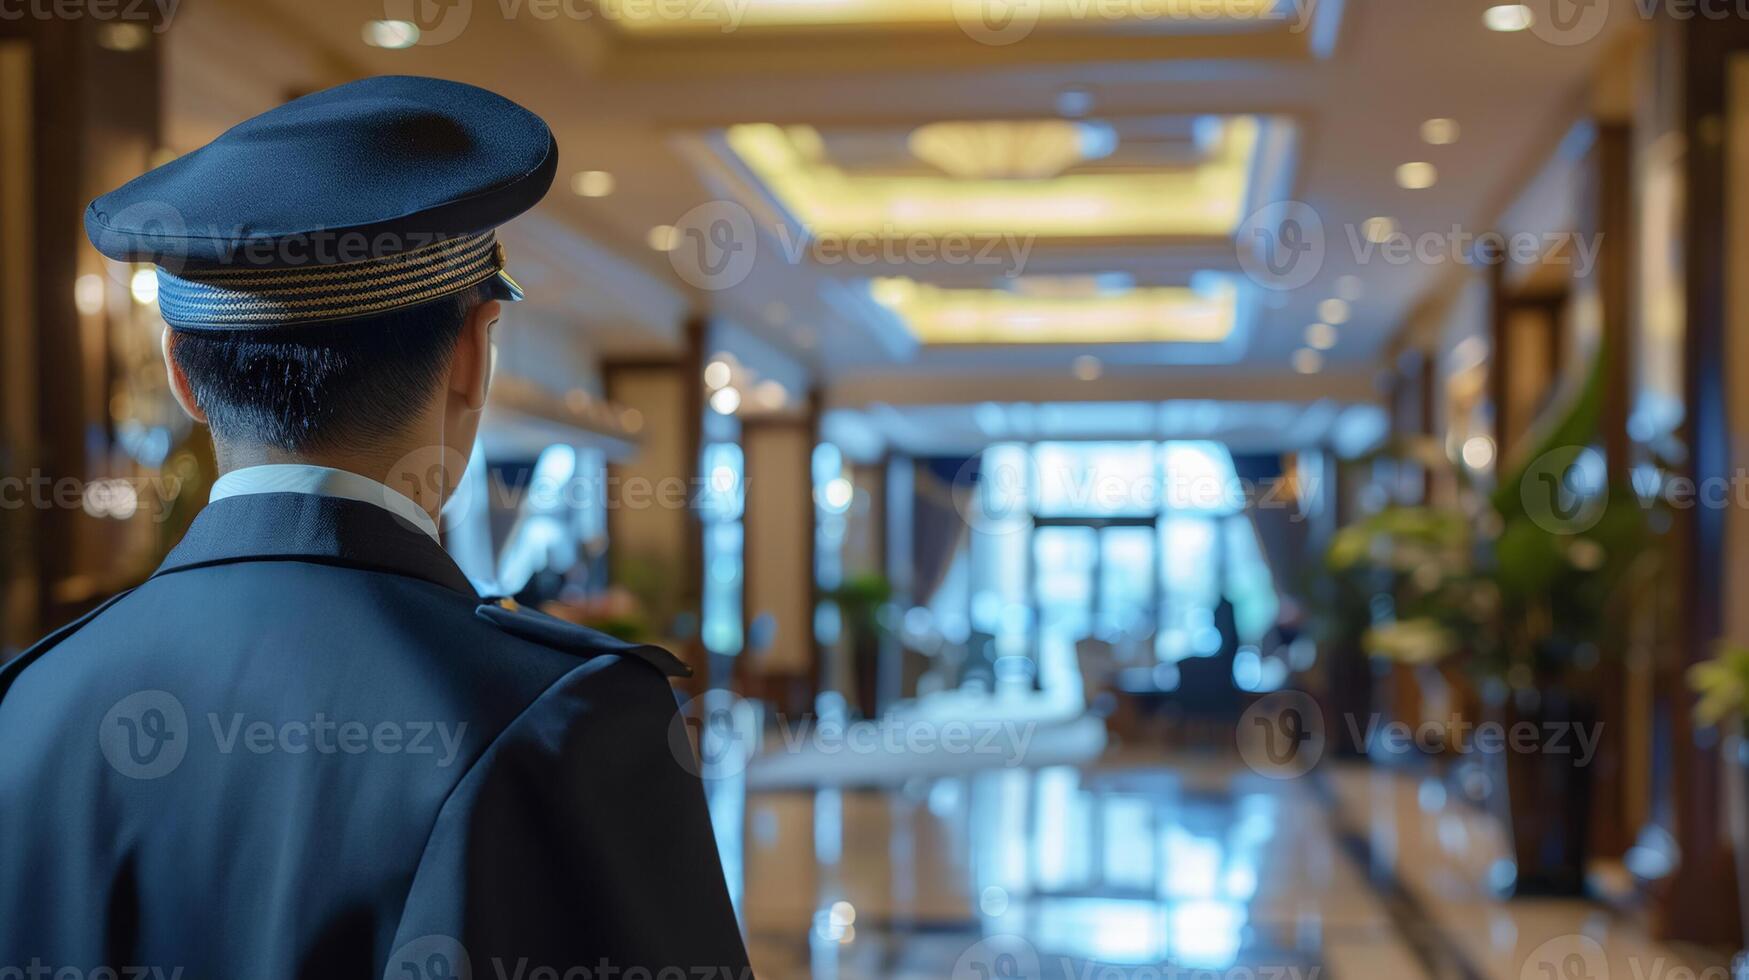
(1548, 792)
(865, 660)
(1351, 699)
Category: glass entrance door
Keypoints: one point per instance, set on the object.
(1092, 579)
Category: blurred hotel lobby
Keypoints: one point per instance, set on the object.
(1242, 489)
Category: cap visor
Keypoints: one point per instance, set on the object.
(504, 288)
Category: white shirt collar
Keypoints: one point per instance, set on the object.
(323, 481)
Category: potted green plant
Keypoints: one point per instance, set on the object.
(1560, 542)
(1407, 581)
(859, 599)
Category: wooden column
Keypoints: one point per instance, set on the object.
(82, 116)
(1699, 902)
(779, 578)
(1606, 199)
(654, 534)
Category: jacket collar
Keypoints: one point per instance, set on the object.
(307, 527)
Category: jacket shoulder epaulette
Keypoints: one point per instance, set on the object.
(551, 631)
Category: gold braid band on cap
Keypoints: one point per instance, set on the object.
(224, 297)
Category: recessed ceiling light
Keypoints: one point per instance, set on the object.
(1074, 102)
(718, 374)
(392, 34)
(1333, 311)
(1417, 176)
(726, 401)
(771, 395)
(123, 36)
(1440, 132)
(144, 286)
(1507, 17)
(1378, 230)
(665, 238)
(1350, 288)
(88, 292)
(1320, 336)
(1087, 368)
(1308, 361)
(1478, 452)
(592, 183)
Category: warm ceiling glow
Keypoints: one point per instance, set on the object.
(1507, 17)
(123, 36)
(1378, 230)
(1440, 132)
(1320, 336)
(1204, 197)
(592, 183)
(88, 292)
(393, 34)
(1333, 311)
(1026, 150)
(718, 16)
(1203, 312)
(1308, 361)
(663, 238)
(770, 395)
(1417, 176)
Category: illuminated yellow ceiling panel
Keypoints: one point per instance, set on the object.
(1062, 310)
(716, 16)
(1203, 197)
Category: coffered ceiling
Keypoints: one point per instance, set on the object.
(950, 188)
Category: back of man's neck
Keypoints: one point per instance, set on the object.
(387, 467)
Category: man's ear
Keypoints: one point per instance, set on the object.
(179, 386)
(470, 371)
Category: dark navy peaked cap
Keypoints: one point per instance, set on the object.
(367, 197)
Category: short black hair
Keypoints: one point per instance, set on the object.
(323, 385)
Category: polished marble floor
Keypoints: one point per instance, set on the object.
(1148, 865)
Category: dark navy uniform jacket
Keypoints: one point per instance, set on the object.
(306, 748)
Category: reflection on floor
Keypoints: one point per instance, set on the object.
(1150, 867)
